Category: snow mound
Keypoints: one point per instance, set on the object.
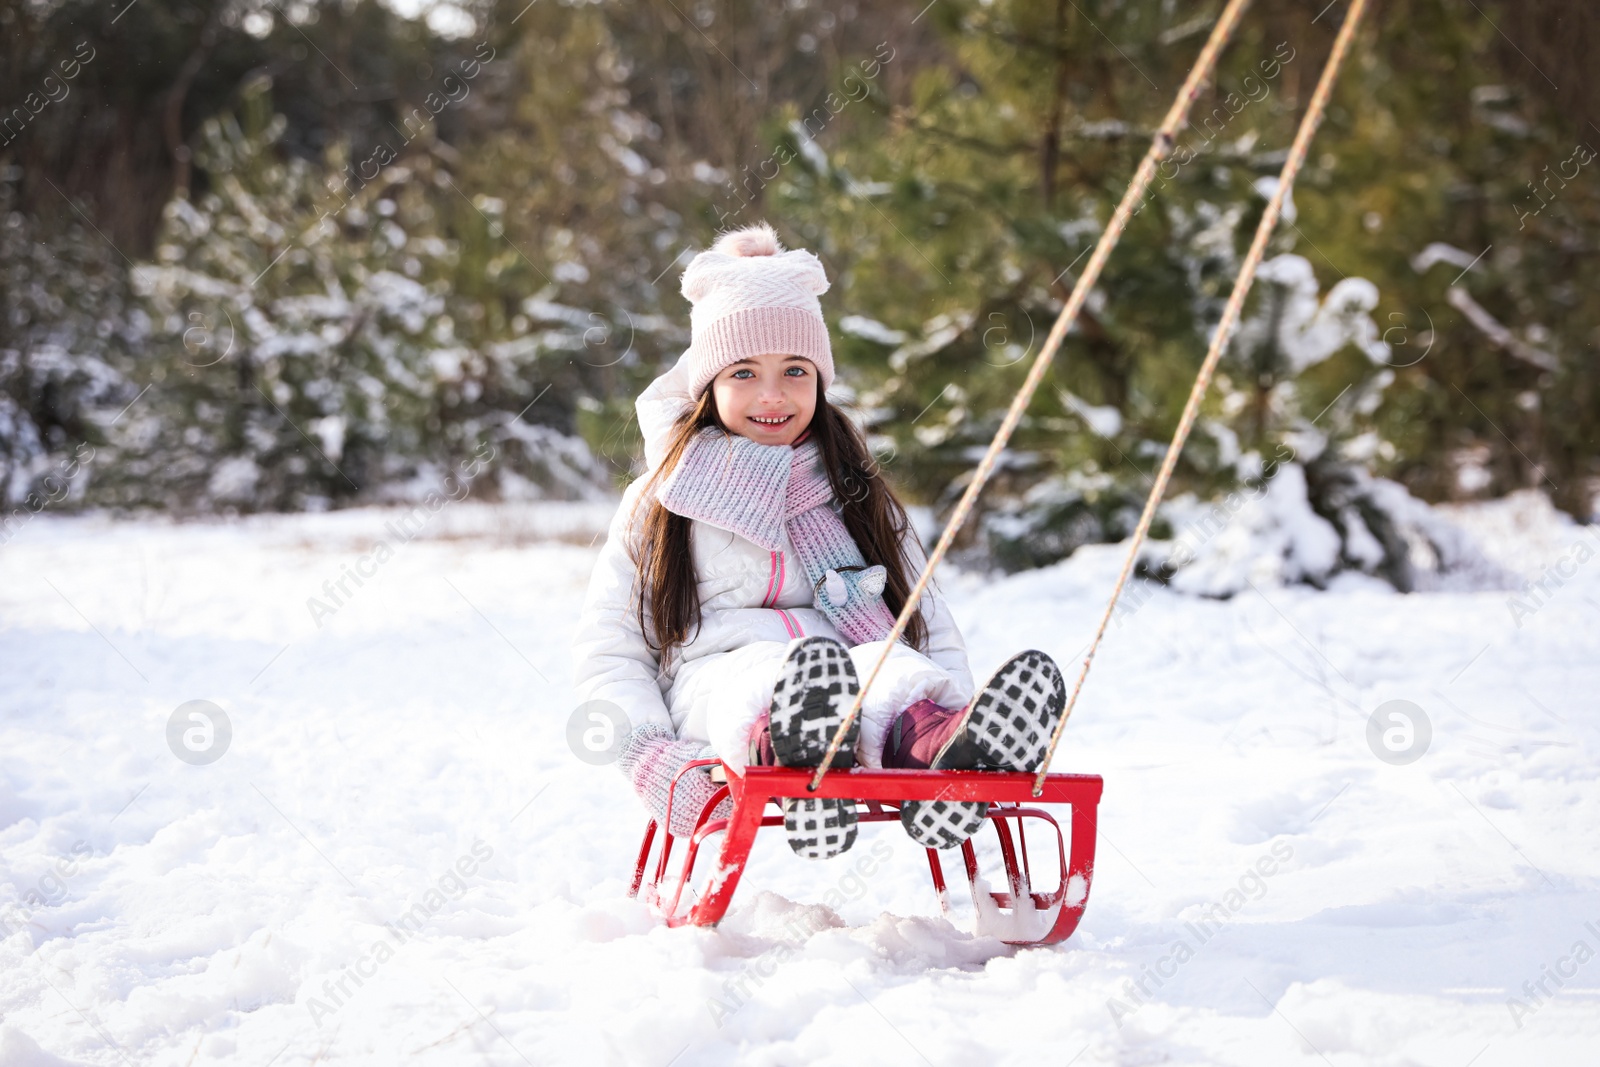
(1273, 534)
(17, 1049)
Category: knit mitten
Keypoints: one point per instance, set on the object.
(852, 597)
(651, 757)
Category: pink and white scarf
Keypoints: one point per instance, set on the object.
(760, 491)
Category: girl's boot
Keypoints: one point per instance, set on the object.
(1007, 727)
(919, 733)
(815, 687)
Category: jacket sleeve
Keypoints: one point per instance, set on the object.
(946, 647)
(611, 659)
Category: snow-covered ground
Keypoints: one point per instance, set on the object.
(399, 859)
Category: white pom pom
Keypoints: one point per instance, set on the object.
(758, 240)
(834, 589)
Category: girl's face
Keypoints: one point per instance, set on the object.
(768, 398)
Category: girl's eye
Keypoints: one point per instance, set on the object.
(740, 371)
(802, 370)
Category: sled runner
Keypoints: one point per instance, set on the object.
(1041, 917)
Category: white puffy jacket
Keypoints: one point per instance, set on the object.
(747, 595)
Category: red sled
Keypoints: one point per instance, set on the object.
(1054, 915)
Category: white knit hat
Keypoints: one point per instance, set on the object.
(751, 297)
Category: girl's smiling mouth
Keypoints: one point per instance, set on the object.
(771, 422)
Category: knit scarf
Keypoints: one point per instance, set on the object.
(761, 491)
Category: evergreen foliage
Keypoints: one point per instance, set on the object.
(347, 294)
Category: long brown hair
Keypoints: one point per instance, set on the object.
(875, 519)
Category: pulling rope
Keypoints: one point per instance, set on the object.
(1160, 146)
(1219, 341)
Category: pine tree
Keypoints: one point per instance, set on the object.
(318, 347)
(66, 333)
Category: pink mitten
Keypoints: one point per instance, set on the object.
(651, 757)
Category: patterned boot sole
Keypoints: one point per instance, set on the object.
(942, 823)
(819, 829)
(1008, 728)
(815, 687)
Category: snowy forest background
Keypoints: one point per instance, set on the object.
(299, 256)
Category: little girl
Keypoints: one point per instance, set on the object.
(762, 525)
